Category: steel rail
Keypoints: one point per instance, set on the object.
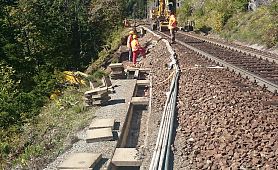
(162, 128)
(249, 52)
(167, 164)
(252, 77)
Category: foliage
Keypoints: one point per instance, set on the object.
(39, 39)
(48, 134)
(8, 91)
(137, 8)
(184, 12)
(113, 44)
(231, 19)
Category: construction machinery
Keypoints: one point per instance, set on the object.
(160, 14)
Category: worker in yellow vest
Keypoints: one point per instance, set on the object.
(172, 26)
(136, 49)
(129, 40)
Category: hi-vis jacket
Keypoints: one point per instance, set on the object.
(135, 45)
(129, 40)
(172, 22)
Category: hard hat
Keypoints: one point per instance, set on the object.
(134, 36)
(131, 32)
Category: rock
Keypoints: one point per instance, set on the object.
(191, 140)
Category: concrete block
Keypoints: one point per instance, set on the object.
(96, 91)
(96, 135)
(106, 81)
(126, 157)
(136, 74)
(143, 82)
(140, 100)
(99, 90)
(147, 70)
(99, 96)
(80, 161)
(115, 65)
(102, 123)
(131, 68)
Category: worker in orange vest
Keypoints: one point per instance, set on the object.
(136, 49)
(129, 40)
(172, 26)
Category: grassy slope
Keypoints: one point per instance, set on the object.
(50, 133)
(253, 27)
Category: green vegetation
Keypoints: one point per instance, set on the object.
(48, 134)
(137, 8)
(112, 44)
(230, 19)
(38, 40)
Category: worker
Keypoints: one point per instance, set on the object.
(172, 26)
(129, 40)
(126, 23)
(136, 49)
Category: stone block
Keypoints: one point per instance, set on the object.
(102, 123)
(95, 91)
(100, 96)
(80, 161)
(115, 65)
(136, 74)
(106, 81)
(96, 135)
(143, 82)
(140, 100)
(99, 90)
(131, 69)
(147, 70)
(126, 157)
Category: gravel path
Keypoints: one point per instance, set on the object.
(117, 109)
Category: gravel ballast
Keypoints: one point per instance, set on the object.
(225, 121)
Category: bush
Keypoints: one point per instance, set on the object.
(271, 36)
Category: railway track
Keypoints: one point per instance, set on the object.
(236, 47)
(224, 121)
(259, 68)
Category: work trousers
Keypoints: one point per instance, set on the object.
(129, 54)
(135, 54)
(172, 33)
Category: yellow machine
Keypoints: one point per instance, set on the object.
(161, 13)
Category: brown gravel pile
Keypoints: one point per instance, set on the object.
(225, 121)
(156, 59)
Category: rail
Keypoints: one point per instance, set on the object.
(252, 77)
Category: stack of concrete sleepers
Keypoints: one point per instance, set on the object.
(117, 71)
(98, 96)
